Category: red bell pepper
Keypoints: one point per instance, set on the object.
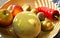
(15, 9)
(49, 13)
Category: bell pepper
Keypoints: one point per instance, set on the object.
(49, 13)
(15, 9)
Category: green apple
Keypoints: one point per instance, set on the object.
(26, 25)
(5, 18)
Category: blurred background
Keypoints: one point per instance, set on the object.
(2, 2)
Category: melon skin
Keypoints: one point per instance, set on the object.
(26, 25)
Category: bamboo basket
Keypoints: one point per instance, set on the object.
(47, 3)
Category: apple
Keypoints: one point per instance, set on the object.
(14, 9)
(26, 25)
(5, 18)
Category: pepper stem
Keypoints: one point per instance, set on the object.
(55, 16)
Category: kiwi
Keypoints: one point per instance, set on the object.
(41, 16)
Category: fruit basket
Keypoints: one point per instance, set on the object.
(9, 33)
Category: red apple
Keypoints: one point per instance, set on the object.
(5, 18)
(15, 9)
